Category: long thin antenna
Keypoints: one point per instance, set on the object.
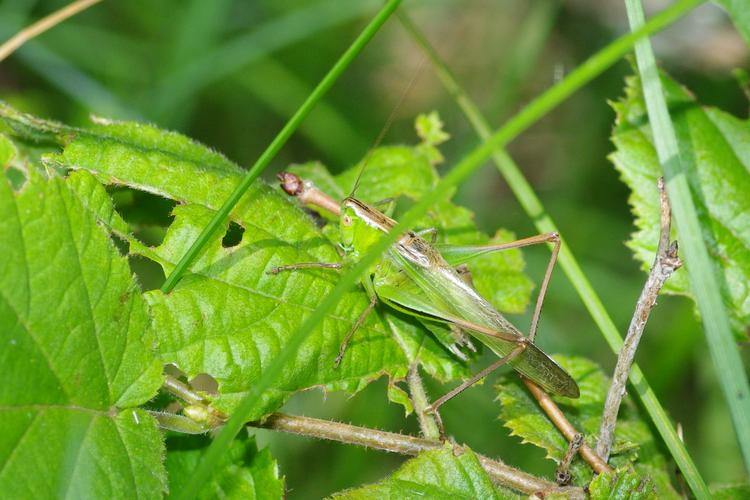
(388, 122)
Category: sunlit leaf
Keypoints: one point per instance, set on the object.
(447, 474)
(78, 355)
(717, 159)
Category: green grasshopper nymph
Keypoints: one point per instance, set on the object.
(425, 281)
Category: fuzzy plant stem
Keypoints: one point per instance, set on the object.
(403, 444)
(500, 473)
(429, 423)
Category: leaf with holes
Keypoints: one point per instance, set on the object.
(633, 437)
(78, 354)
(229, 318)
(717, 162)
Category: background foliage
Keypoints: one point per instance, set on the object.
(230, 73)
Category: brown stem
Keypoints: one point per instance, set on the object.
(666, 262)
(565, 427)
(406, 445)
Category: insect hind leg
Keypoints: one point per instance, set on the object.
(522, 343)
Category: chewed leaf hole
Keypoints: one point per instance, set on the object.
(233, 236)
(150, 274)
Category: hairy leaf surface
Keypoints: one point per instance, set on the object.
(228, 318)
(440, 474)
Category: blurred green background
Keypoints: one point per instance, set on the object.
(230, 73)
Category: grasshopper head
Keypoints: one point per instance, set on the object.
(361, 226)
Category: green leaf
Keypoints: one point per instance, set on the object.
(740, 15)
(232, 317)
(430, 130)
(7, 151)
(634, 441)
(78, 355)
(96, 199)
(447, 473)
(243, 473)
(717, 158)
(730, 491)
(621, 484)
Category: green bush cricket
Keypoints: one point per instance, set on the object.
(429, 282)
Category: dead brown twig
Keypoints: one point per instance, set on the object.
(42, 25)
(666, 262)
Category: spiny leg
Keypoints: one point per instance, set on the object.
(305, 265)
(433, 408)
(432, 231)
(355, 327)
(524, 242)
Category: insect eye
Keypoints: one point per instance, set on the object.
(347, 220)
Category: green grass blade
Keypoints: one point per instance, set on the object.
(527, 47)
(547, 101)
(544, 223)
(326, 83)
(326, 128)
(703, 280)
(235, 423)
(177, 87)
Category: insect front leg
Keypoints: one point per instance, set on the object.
(370, 289)
(305, 265)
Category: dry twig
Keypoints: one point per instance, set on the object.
(42, 25)
(665, 263)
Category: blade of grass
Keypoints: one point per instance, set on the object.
(317, 94)
(60, 73)
(526, 48)
(326, 128)
(532, 113)
(544, 224)
(703, 280)
(176, 88)
(236, 422)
